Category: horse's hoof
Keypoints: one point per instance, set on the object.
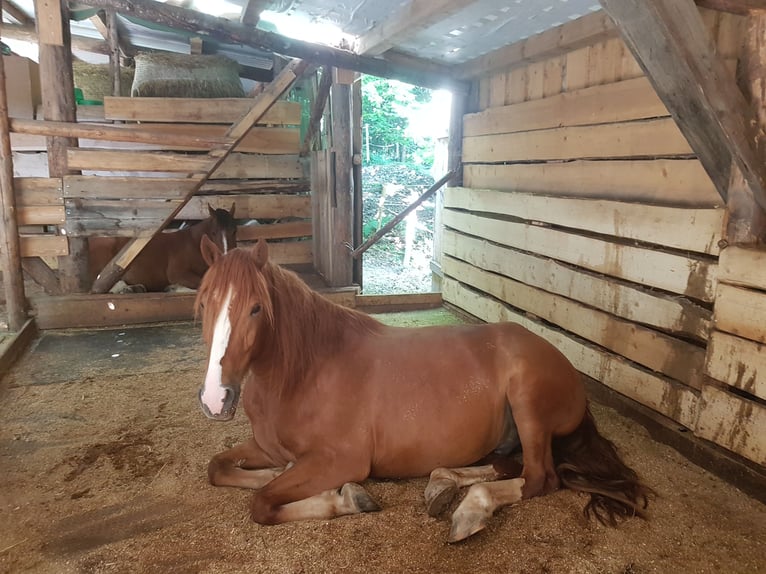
(358, 497)
(466, 524)
(440, 492)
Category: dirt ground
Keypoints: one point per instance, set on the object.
(103, 454)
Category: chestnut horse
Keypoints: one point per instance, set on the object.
(334, 397)
(171, 258)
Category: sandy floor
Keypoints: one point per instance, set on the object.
(103, 452)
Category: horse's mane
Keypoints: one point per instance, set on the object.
(302, 325)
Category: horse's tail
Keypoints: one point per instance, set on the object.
(587, 462)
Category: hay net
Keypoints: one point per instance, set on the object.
(186, 76)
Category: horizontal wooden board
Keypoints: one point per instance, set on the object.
(398, 302)
(616, 102)
(645, 138)
(745, 266)
(100, 187)
(262, 206)
(653, 390)
(697, 230)
(662, 353)
(249, 166)
(685, 275)
(291, 252)
(40, 215)
(681, 182)
(741, 312)
(737, 362)
(43, 245)
(733, 422)
(282, 230)
(121, 160)
(197, 110)
(665, 312)
(38, 191)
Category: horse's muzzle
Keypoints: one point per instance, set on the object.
(229, 404)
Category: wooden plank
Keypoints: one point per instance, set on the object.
(665, 312)
(109, 160)
(576, 76)
(733, 422)
(644, 138)
(282, 230)
(517, 88)
(128, 218)
(291, 252)
(250, 206)
(497, 89)
(38, 191)
(740, 312)
(685, 275)
(100, 187)
(743, 266)
(670, 40)
(44, 246)
(618, 102)
(660, 182)
(535, 80)
(665, 396)
(15, 345)
(248, 166)
(197, 110)
(554, 42)
(737, 362)
(661, 353)
(553, 76)
(49, 22)
(40, 215)
(398, 303)
(697, 230)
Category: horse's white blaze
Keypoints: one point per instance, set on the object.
(225, 243)
(213, 393)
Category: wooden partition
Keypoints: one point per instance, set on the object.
(131, 182)
(586, 216)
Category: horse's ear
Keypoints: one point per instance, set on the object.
(210, 251)
(233, 207)
(260, 253)
(210, 210)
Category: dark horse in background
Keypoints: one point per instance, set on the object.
(171, 258)
(334, 397)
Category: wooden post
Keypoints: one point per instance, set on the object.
(747, 221)
(57, 86)
(356, 135)
(13, 279)
(114, 52)
(341, 271)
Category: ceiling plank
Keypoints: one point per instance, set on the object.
(669, 40)
(414, 16)
(238, 33)
(741, 7)
(589, 29)
(16, 13)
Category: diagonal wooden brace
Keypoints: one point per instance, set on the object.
(120, 262)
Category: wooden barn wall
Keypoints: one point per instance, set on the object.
(586, 217)
(128, 188)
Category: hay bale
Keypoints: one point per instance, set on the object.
(94, 80)
(186, 76)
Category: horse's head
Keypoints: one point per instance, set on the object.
(236, 307)
(221, 228)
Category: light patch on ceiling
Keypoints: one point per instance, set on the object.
(301, 27)
(217, 7)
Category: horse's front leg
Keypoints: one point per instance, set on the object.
(184, 277)
(243, 466)
(309, 490)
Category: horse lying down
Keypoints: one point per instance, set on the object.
(334, 397)
(172, 260)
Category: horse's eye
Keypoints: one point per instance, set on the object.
(255, 310)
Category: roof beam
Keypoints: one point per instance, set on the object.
(414, 16)
(741, 7)
(17, 13)
(669, 40)
(99, 22)
(238, 33)
(589, 29)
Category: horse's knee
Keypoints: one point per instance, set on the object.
(216, 468)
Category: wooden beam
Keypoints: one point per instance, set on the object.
(17, 13)
(28, 33)
(113, 38)
(43, 275)
(317, 109)
(49, 15)
(117, 266)
(741, 7)
(406, 21)
(557, 41)
(669, 39)
(238, 33)
(13, 280)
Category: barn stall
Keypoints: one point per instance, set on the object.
(609, 198)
